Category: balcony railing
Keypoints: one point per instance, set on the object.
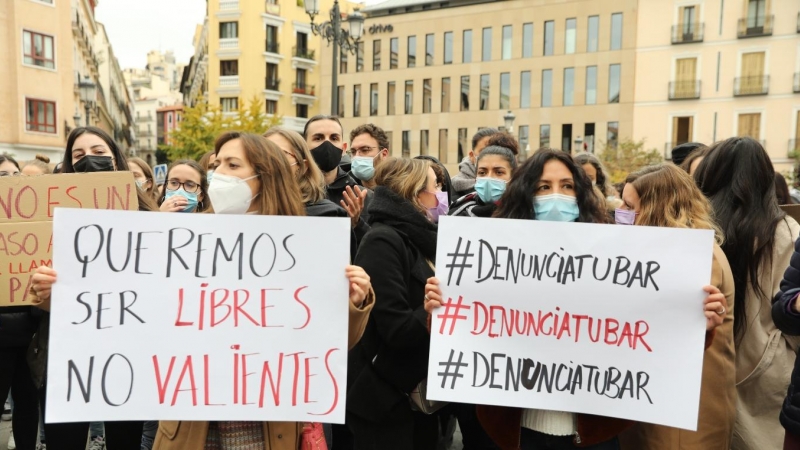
(687, 33)
(273, 84)
(301, 52)
(684, 89)
(796, 86)
(758, 85)
(228, 5)
(229, 44)
(272, 47)
(755, 26)
(273, 9)
(302, 89)
(229, 81)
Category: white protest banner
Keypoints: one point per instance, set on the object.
(598, 319)
(175, 316)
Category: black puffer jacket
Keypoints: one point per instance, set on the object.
(471, 205)
(789, 323)
(17, 325)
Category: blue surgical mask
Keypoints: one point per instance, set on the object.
(209, 175)
(363, 167)
(490, 189)
(556, 208)
(139, 184)
(191, 197)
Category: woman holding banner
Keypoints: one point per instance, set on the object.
(738, 178)
(666, 196)
(562, 192)
(494, 168)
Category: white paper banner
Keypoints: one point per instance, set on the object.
(598, 319)
(198, 317)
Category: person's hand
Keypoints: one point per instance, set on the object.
(353, 203)
(433, 295)
(176, 203)
(359, 284)
(715, 306)
(43, 280)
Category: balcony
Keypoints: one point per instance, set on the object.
(687, 33)
(229, 81)
(303, 58)
(229, 44)
(273, 9)
(744, 86)
(272, 47)
(755, 27)
(303, 53)
(796, 86)
(684, 90)
(272, 84)
(229, 5)
(303, 89)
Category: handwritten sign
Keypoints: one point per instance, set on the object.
(198, 317)
(26, 212)
(598, 319)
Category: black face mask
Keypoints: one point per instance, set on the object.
(327, 156)
(92, 163)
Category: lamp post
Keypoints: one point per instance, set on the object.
(509, 118)
(333, 33)
(88, 95)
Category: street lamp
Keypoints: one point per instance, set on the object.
(88, 95)
(333, 33)
(509, 118)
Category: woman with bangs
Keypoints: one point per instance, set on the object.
(664, 195)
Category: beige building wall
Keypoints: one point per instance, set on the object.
(494, 15)
(721, 58)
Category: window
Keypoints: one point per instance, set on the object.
(360, 56)
(756, 13)
(685, 76)
(301, 111)
(613, 83)
(229, 104)
(272, 39)
(507, 42)
(522, 132)
(445, 94)
(300, 81)
(682, 130)
(749, 125)
(373, 99)
(549, 37)
(229, 68)
(412, 52)
(340, 100)
(228, 30)
(273, 83)
(613, 134)
(462, 143)
(616, 31)
(487, 45)
(547, 87)
(406, 144)
(429, 40)
(343, 54)
(390, 138)
(591, 85)
(423, 142)
(390, 96)
(427, 101)
(525, 90)
(357, 100)
(376, 54)
(41, 116)
(448, 47)
(394, 48)
(301, 40)
(272, 107)
(465, 93)
(569, 86)
(38, 50)
(593, 32)
(566, 137)
(484, 105)
(505, 90)
(752, 79)
(409, 97)
(527, 40)
(466, 50)
(544, 136)
(443, 145)
(570, 37)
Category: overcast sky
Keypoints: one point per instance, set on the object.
(135, 27)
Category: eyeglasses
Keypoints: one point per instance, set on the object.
(188, 186)
(361, 151)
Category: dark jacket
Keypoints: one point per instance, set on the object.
(471, 205)
(789, 323)
(17, 325)
(392, 357)
(335, 192)
(326, 208)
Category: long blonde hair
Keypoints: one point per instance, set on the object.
(309, 175)
(669, 197)
(405, 177)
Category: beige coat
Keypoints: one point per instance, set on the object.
(765, 357)
(183, 435)
(717, 413)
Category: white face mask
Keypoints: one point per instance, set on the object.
(230, 195)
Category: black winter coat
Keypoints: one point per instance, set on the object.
(17, 325)
(789, 324)
(392, 356)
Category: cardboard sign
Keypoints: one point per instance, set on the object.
(598, 319)
(26, 212)
(161, 316)
(160, 174)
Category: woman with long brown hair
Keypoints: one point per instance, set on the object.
(143, 175)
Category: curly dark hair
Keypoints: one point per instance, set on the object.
(373, 130)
